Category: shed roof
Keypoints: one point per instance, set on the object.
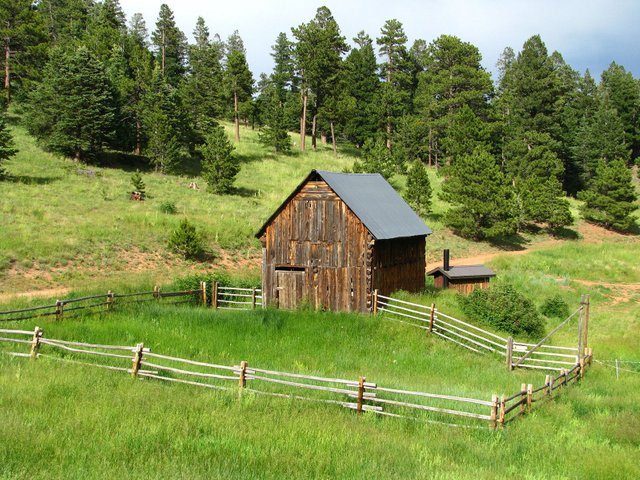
(464, 272)
(378, 206)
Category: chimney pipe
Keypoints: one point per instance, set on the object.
(445, 260)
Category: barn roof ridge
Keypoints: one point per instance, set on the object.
(373, 200)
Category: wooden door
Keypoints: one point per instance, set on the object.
(290, 285)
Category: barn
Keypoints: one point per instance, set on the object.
(463, 278)
(336, 238)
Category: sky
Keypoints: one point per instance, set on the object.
(589, 34)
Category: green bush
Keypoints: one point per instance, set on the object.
(169, 207)
(555, 307)
(186, 241)
(138, 183)
(504, 308)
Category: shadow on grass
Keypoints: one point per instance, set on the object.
(564, 233)
(509, 243)
(244, 192)
(27, 180)
(123, 161)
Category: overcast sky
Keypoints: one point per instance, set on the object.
(588, 33)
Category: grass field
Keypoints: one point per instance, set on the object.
(64, 228)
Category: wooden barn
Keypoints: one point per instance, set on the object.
(464, 278)
(336, 238)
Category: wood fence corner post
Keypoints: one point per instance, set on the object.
(59, 309)
(361, 389)
(590, 355)
(494, 411)
(510, 353)
(374, 301)
(35, 342)
(214, 295)
(432, 317)
(502, 414)
(136, 361)
(547, 386)
(110, 299)
(582, 363)
(529, 397)
(523, 397)
(156, 292)
(203, 293)
(242, 381)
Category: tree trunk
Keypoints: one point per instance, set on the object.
(430, 146)
(163, 48)
(323, 138)
(236, 117)
(303, 121)
(389, 132)
(7, 72)
(313, 131)
(333, 141)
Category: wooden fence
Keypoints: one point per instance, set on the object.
(222, 297)
(356, 394)
(516, 354)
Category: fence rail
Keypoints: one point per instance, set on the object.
(517, 354)
(357, 394)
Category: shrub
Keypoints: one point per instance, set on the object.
(504, 308)
(555, 307)
(169, 207)
(186, 241)
(138, 183)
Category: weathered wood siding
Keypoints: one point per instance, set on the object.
(464, 286)
(317, 233)
(399, 264)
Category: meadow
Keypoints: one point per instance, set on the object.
(69, 228)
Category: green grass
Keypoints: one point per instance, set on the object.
(80, 421)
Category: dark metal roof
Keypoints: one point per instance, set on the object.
(378, 206)
(464, 271)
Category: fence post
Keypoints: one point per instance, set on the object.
(361, 381)
(581, 375)
(547, 386)
(494, 411)
(510, 353)
(432, 317)
(580, 327)
(523, 396)
(590, 356)
(563, 380)
(110, 299)
(529, 397)
(137, 359)
(501, 415)
(253, 298)
(214, 295)
(156, 292)
(59, 309)
(35, 342)
(203, 293)
(374, 301)
(586, 321)
(242, 381)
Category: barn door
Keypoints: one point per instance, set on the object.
(290, 285)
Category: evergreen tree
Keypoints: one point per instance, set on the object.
(397, 74)
(610, 199)
(284, 80)
(454, 80)
(71, 110)
(202, 89)
(171, 46)
(274, 134)
(23, 37)
(219, 167)
(376, 158)
(623, 93)
(481, 197)
(239, 84)
(6, 146)
(419, 188)
(318, 57)
(66, 20)
(362, 84)
(168, 133)
(106, 29)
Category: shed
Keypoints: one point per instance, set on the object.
(464, 278)
(338, 237)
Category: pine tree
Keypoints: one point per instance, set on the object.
(376, 158)
(6, 146)
(481, 197)
(611, 198)
(65, 20)
(171, 46)
(219, 167)
(24, 38)
(201, 91)
(274, 134)
(239, 84)
(71, 110)
(419, 188)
